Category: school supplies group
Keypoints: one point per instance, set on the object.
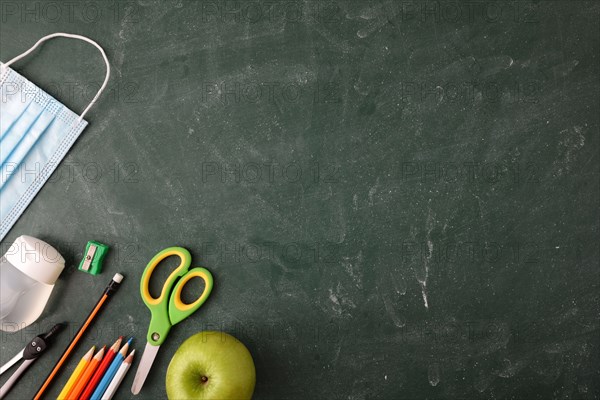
(108, 292)
(93, 376)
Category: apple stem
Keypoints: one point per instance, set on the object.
(204, 379)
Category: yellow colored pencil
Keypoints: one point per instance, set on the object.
(86, 375)
(76, 374)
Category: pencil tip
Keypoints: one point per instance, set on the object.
(124, 349)
(129, 358)
(90, 353)
(100, 352)
(117, 343)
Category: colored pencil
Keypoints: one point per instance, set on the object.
(77, 373)
(108, 292)
(106, 361)
(116, 381)
(87, 374)
(110, 372)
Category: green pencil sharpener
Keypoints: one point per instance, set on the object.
(94, 255)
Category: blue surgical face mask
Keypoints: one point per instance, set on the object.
(36, 131)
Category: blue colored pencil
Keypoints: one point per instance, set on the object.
(110, 372)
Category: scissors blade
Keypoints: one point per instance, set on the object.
(144, 367)
(12, 362)
(14, 377)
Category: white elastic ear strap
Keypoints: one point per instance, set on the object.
(79, 37)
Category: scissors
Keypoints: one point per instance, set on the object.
(168, 309)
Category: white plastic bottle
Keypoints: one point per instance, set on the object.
(13, 284)
(28, 272)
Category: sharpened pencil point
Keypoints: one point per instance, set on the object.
(124, 349)
(129, 358)
(100, 353)
(88, 356)
(115, 347)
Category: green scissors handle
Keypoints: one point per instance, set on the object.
(168, 309)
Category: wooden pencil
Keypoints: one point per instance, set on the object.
(87, 374)
(95, 379)
(110, 372)
(83, 363)
(116, 381)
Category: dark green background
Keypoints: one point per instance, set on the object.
(361, 158)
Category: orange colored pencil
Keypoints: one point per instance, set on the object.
(112, 352)
(85, 361)
(87, 374)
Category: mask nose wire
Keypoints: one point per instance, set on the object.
(71, 36)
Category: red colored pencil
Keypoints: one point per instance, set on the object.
(91, 386)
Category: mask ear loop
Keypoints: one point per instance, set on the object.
(72, 36)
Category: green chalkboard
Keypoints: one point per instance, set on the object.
(397, 199)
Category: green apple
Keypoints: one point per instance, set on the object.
(211, 366)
